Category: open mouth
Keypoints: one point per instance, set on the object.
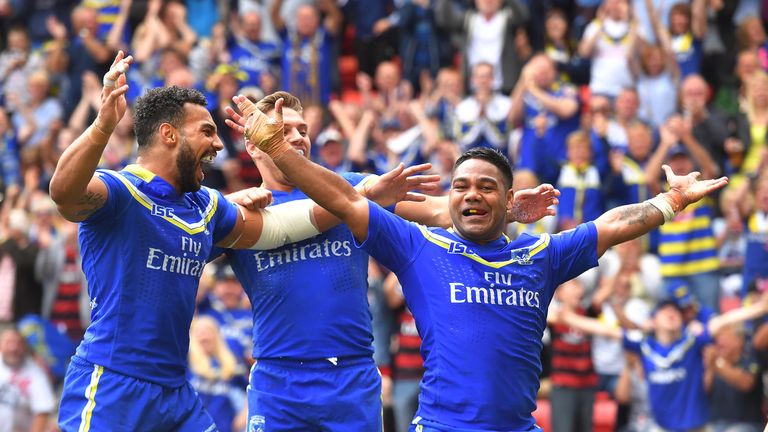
(208, 159)
(474, 212)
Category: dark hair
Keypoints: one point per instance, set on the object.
(162, 105)
(267, 103)
(492, 156)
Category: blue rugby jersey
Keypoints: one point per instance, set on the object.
(143, 254)
(309, 298)
(481, 312)
(675, 377)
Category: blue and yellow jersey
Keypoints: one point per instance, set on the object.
(581, 194)
(688, 52)
(107, 14)
(143, 254)
(756, 257)
(687, 243)
(310, 298)
(481, 312)
(675, 377)
(491, 130)
(544, 155)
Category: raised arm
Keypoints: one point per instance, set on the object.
(73, 187)
(745, 313)
(631, 221)
(589, 325)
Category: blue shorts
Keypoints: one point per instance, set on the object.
(98, 399)
(289, 395)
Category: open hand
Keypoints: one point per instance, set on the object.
(531, 205)
(113, 103)
(690, 187)
(397, 184)
(266, 133)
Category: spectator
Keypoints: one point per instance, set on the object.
(657, 75)
(687, 26)
(734, 382)
(331, 151)
(756, 228)
(164, 26)
(371, 21)
(27, 397)
(442, 103)
(15, 66)
(488, 36)
(24, 289)
(482, 119)
(581, 198)
(751, 37)
(632, 390)
(687, 243)
(709, 125)
(254, 55)
(206, 15)
(610, 41)
(9, 153)
(573, 376)
(424, 48)
(35, 118)
(539, 97)
(753, 126)
(309, 68)
(229, 308)
(672, 358)
(559, 46)
(211, 369)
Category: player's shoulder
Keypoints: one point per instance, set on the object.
(358, 178)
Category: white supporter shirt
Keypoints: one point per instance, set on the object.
(24, 393)
(486, 40)
(610, 65)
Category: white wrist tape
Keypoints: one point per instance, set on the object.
(664, 207)
(286, 223)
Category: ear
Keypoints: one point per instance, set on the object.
(510, 199)
(168, 134)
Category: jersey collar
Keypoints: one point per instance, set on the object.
(156, 184)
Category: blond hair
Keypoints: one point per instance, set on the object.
(200, 362)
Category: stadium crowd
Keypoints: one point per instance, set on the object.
(590, 96)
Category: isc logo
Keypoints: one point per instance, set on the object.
(161, 211)
(458, 249)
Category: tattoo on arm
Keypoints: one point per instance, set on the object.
(637, 214)
(89, 203)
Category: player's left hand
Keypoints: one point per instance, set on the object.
(252, 198)
(396, 185)
(531, 205)
(266, 132)
(691, 188)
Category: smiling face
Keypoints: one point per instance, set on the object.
(479, 198)
(198, 144)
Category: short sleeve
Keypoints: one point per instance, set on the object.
(224, 217)
(631, 340)
(574, 251)
(392, 241)
(591, 29)
(118, 197)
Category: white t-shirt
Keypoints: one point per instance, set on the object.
(23, 394)
(610, 65)
(486, 41)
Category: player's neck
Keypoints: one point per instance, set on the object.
(164, 170)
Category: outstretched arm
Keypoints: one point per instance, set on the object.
(589, 325)
(746, 313)
(631, 221)
(73, 187)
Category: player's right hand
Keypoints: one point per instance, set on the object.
(113, 103)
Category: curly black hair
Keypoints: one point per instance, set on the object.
(492, 156)
(162, 105)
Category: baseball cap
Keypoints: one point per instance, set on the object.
(327, 136)
(680, 293)
(677, 150)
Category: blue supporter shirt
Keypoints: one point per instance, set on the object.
(310, 298)
(143, 254)
(675, 376)
(481, 312)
